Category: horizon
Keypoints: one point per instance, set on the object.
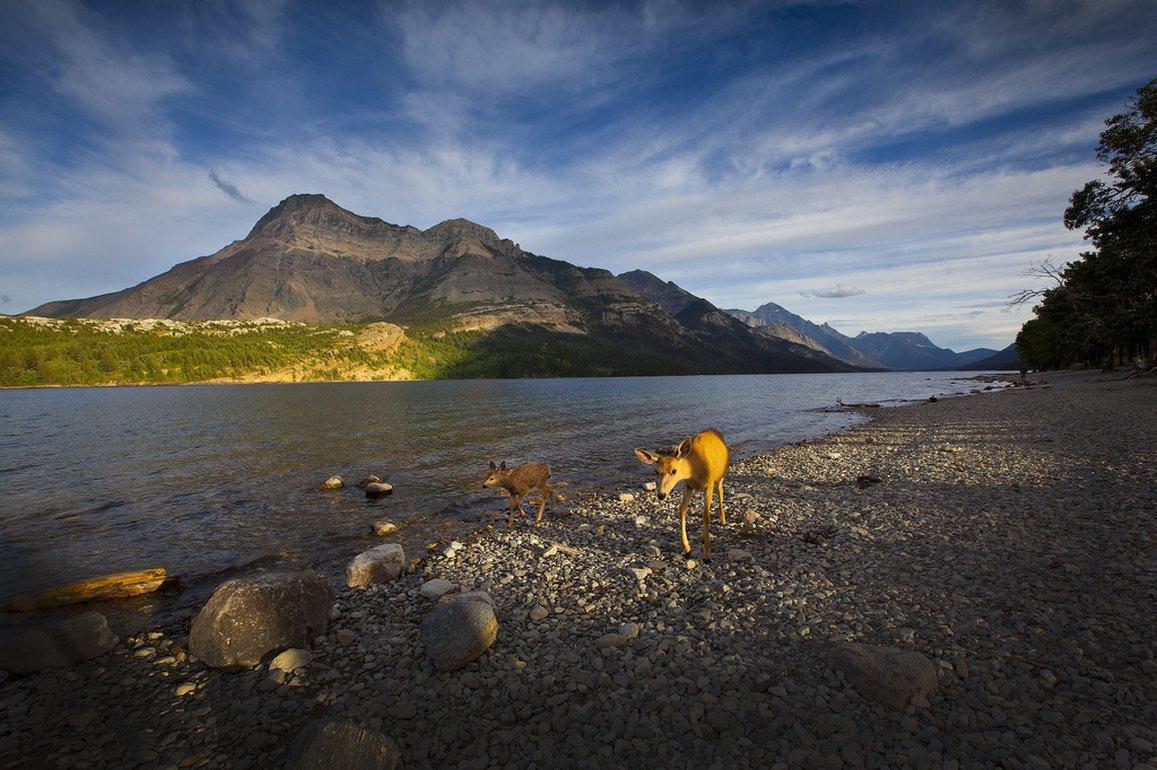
(877, 169)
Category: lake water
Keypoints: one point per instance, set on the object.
(207, 479)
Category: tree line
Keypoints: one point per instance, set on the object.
(1101, 309)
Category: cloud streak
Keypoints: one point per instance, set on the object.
(839, 291)
(228, 188)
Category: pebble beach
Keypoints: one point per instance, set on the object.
(1006, 540)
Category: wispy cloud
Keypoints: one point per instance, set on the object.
(228, 188)
(839, 291)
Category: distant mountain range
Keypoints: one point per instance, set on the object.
(309, 260)
(877, 350)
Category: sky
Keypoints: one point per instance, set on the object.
(880, 166)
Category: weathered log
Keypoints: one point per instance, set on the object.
(118, 585)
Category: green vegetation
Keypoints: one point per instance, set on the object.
(1102, 309)
(106, 352)
(84, 352)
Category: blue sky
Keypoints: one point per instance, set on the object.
(882, 166)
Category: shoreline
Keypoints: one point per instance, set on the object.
(200, 383)
(995, 546)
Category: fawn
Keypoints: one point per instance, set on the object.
(700, 461)
(518, 482)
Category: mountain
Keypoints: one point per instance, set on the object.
(510, 312)
(1007, 360)
(722, 331)
(823, 336)
(912, 350)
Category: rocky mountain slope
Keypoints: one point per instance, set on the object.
(822, 336)
(722, 331)
(309, 260)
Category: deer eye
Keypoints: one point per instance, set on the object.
(672, 471)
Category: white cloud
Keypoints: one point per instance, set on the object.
(839, 291)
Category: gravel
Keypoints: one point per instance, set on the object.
(1009, 540)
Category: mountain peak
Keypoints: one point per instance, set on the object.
(462, 228)
(302, 208)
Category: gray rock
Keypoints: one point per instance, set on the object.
(333, 482)
(246, 618)
(63, 643)
(886, 674)
(539, 613)
(432, 589)
(325, 744)
(377, 565)
(378, 489)
(456, 633)
(291, 660)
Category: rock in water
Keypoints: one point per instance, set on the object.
(383, 528)
(367, 481)
(378, 489)
(113, 586)
(325, 744)
(246, 618)
(886, 674)
(62, 643)
(456, 633)
(333, 482)
(377, 565)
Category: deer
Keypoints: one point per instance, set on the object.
(518, 481)
(700, 462)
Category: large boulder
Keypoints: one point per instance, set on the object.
(457, 632)
(377, 565)
(325, 744)
(246, 618)
(886, 674)
(63, 643)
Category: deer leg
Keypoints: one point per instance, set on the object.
(544, 490)
(683, 521)
(707, 523)
(515, 502)
(722, 515)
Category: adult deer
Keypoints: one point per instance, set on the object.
(700, 462)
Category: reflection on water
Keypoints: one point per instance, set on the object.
(204, 478)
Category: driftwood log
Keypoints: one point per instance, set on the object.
(116, 586)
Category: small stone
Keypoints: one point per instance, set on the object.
(612, 640)
(378, 489)
(650, 486)
(185, 688)
(346, 636)
(690, 564)
(539, 613)
(750, 516)
(291, 660)
(377, 565)
(333, 482)
(640, 521)
(886, 674)
(626, 497)
(738, 554)
(383, 528)
(432, 589)
(629, 630)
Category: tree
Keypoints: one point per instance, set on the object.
(1103, 307)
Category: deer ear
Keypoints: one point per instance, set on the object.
(502, 465)
(647, 458)
(493, 467)
(684, 447)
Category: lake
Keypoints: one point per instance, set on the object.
(205, 480)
